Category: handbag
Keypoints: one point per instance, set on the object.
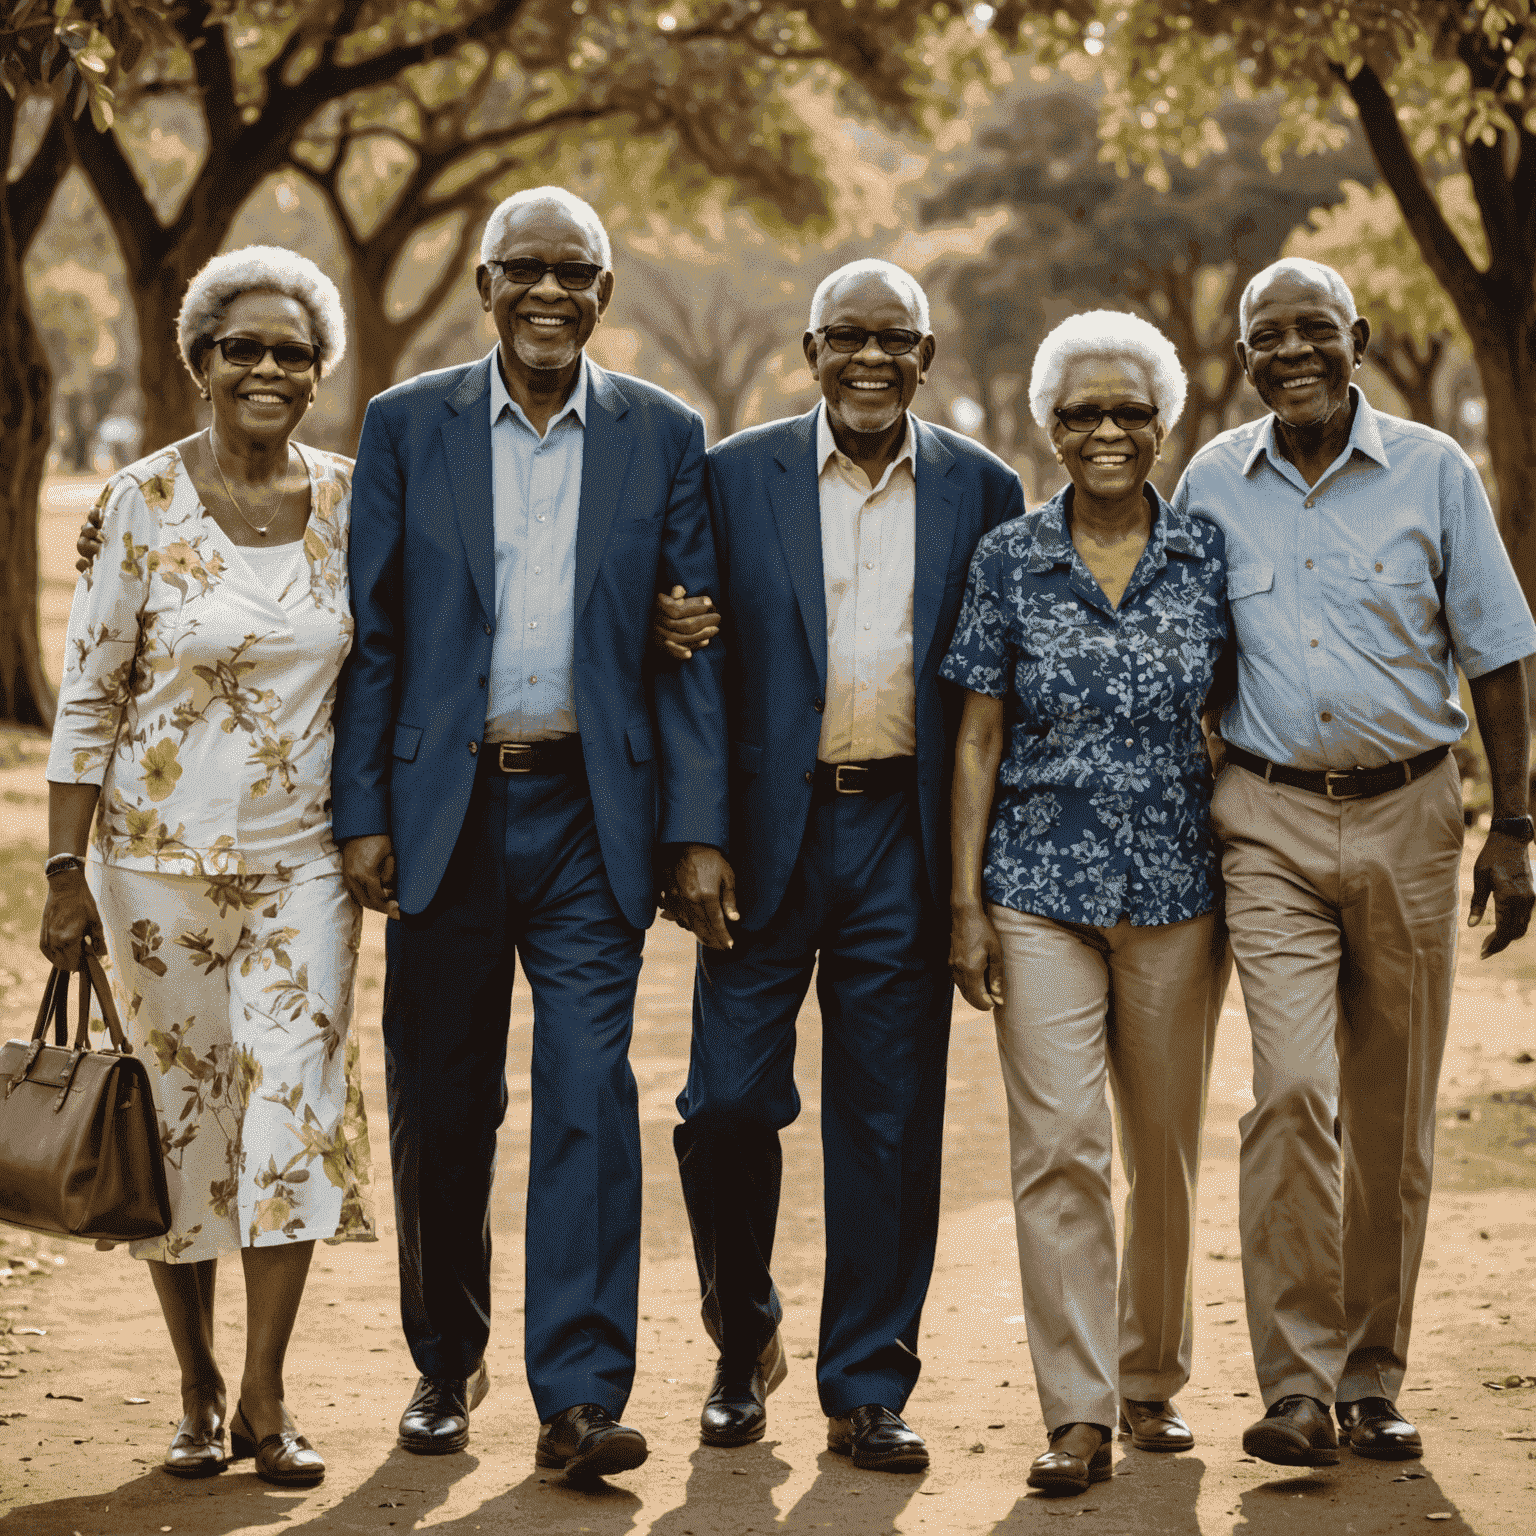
(79, 1137)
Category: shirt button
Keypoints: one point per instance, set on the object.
(820, 705)
(533, 623)
(537, 569)
(869, 565)
(541, 515)
(489, 630)
(1325, 717)
(1314, 645)
(810, 778)
(1311, 500)
(1130, 741)
(533, 679)
(480, 682)
(866, 626)
(474, 747)
(1378, 565)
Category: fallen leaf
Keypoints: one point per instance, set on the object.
(978, 1449)
(1443, 1514)
(69, 1397)
(395, 1503)
(135, 1401)
(37, 1333)
(997, 1426)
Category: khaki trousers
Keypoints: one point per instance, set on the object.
(1138, 1005)
(1343, 918)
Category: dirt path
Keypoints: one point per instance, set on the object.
(79, 1457)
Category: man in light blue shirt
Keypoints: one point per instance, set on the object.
(1365, 567)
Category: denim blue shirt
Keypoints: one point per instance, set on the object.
(1355, 599)
(1102, 806)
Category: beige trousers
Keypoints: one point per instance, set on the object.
(1138, 1006)
(1343, 917)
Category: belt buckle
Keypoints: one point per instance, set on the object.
(509, 750)
(852, 788)
(1329, 775)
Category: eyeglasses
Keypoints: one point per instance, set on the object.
(526, 271)
(246, 352)
(1086, 418)
(1316, 332)
(852, 338)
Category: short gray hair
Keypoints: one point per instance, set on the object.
(581, 211)
(1113, 336)
(260, 269)
(1314, 273)
(871, 266)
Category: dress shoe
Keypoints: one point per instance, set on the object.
(198, 1448)
(1061, 1470)
(589, 1442)
(285, 1459)
(877, 1440)
(1373, 1427)
(1154, 1425)
(436, 1420)
(735, 1412)
(1296, 1432)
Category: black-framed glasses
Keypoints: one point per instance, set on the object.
(853, 338)
(1316, 333)
(1086, 418)
(526, 271)
(247, 351)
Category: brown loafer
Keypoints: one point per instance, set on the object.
(877, 1440)
(1058, 1470)
(1154, 1425)
(198, 1447)
(587, 1442)
(1296, 1432)
(285, 1459)
(1374, 1428)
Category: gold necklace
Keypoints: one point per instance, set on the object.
(258, 528)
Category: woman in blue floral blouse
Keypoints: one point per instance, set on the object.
(1086, 903)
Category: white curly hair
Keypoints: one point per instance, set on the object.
(260, 269)
(1314, 273)
(870, 266)
(580, 211)
(1108, 335)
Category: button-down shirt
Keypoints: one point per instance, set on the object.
(536, 499)
(1103, 797)
(1355, 599)
(868, 556)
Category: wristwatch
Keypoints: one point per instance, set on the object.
(1520, 827)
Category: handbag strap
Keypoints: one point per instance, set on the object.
(94, 979)
(55, 1003)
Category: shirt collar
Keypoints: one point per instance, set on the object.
(1364, 435)
(575, 404)
(1173, 532)
(826, 444)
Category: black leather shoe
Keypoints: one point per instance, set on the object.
(1154, 1426)
(1060, 1470)
(1296, 1432)
(198, 1447)
(589, 1442)
(285, 1459)
(436, 1420)
(735, 1412)
(1373, 1427)
(877, 1440)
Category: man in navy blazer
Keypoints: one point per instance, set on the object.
(507, 760)
(843, 539)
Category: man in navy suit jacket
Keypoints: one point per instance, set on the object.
(507, 760)
(843, 540)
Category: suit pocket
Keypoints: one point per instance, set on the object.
(746, 756)
(641, 747)
(407, 740)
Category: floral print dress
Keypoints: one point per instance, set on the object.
(200, 700)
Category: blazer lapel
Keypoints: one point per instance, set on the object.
(606, 446)
(937, 526)
(796, 498)
(467, 445)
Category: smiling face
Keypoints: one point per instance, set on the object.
(1300, 350)
(543, 328)
(261, 401)
(1109, 463)
(868, 391)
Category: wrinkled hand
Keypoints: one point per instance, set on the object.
(368, 871)
(976, 958)
(69, 917)
(701, 895)
(88, 545)
(1503, 871)
(680, 624)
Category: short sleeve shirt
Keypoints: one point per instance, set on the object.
(1102, 806)
(1354, 600)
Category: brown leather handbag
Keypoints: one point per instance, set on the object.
(79, 1137)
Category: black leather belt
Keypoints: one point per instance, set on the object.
(559, 756)
(1340, 783)
(879, 776)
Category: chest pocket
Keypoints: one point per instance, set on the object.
(1255, 611)
(1391, 594)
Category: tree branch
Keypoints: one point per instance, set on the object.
(31, 194)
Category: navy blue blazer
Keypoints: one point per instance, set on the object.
(411, 704)
(766, 510)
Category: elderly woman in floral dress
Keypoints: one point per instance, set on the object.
(1086, 903)
(194, 724)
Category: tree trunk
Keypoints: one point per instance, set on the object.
(170, 397)
(1507, 365)
(377, 342)
(26, 390)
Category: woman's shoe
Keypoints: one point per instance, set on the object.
(286, 1459)
(198, 1448)
(1059, 1471)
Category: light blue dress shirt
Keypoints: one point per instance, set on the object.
(536, 499)
(1355, 599)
